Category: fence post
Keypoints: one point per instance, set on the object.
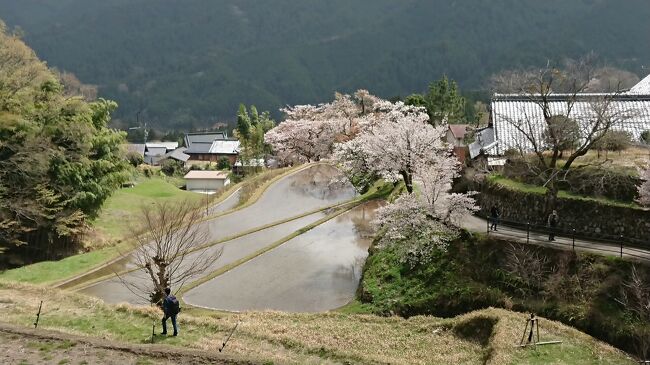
(488, 225)
(528, 232)
(621, 245)
(573, 237)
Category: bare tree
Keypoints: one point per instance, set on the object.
(635, 297)
(529, 266)
(169, 248)
(555, 113)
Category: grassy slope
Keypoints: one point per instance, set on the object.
(578, 289)
(313, 338)
(123, 207)
(498, 179)
(112, 223)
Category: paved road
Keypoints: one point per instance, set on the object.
(476, 224)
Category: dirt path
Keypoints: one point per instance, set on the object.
(19, 345)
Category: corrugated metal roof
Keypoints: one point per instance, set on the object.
(483, 141)
(167, 145)
(203, 137)
(225, 147)
(178, 154)
(156, 151)
(513, 112)
(199, 147)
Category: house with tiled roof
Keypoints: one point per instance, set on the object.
(512, 113)
(210, 147)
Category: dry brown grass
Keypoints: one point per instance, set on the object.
(631, 157)
(286, 338)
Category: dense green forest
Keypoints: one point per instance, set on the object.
(58, 159)
(189, 63)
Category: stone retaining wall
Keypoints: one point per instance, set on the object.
(593, 219)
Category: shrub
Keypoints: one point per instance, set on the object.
(613, 182)
(581, 290)
(134, 158)
(147, 171)
(645, 137)
(223, 163)
(172, 167)
(618, 183)
(614, 141)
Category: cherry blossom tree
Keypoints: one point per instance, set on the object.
(411, 229)
(644, 189)
(309, 132)
(303, 140)
(372, 138)
(395, 140)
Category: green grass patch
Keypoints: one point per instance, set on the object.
(534, 189)
(512, 184)
(356, 307)
(564, 353)
(124, 206)
(48, 272)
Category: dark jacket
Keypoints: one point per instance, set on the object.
(553, 220)
(494, 212)
(168, 306)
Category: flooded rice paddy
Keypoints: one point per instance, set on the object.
(318, 270)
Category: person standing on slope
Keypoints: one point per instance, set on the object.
(171, 308)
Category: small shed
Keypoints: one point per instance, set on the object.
(456, 135)
(456, 138)
(206, 181)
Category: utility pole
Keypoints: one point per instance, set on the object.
(145, 131)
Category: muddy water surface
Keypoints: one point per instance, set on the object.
(115, 291)
(301, 192)
(316, 271)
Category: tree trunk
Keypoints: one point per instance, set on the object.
(408, 181)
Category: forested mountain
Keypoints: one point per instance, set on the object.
(187, 63)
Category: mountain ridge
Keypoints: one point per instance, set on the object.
(187, 64)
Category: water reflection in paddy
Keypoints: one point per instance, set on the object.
(303, 191)
(114, 291)
(317, 271)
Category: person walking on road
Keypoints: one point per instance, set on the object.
(494, 217)
(553, 220)
(171, 308)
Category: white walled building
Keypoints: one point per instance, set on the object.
(206, 181)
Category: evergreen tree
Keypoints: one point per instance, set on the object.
(243, 122)
(59, 161)
(443, 102)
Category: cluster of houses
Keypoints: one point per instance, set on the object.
(509, 113)
(201, 148)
